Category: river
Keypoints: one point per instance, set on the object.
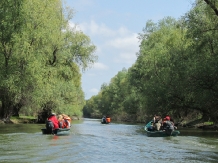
(93, 142)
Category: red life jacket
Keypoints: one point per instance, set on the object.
(54, 121)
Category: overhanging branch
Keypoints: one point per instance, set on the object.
(212, 6)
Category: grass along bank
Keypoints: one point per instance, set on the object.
(23, 119)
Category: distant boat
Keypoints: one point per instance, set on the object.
(160, 133)
(59, 131)
(105, 120)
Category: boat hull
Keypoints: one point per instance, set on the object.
(60, 131)
(104, 123)
(160, 133)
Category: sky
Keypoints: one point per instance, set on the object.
(113, 27)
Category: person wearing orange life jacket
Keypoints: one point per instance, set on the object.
(60, 121)
(64, 121)
(108, 119)
(67, 121)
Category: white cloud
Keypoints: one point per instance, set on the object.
(93, 90)
(93, 28)
(100, 66)
(122, 43)
(128, 58)
(128, 42)
(73, 26)
(127, 47)
(122, 31)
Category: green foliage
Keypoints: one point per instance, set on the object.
(175, 73)
(41, 58)
(202, 29)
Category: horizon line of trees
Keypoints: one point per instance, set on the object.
(176, 71)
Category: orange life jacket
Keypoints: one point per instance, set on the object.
(108, 120)
(65, 123)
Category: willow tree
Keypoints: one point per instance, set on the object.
(202, 22)
(12, 18)
(160, 70)
(43, 70)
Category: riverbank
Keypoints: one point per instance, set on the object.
(199, 123)
(25, 119)
(18, 120)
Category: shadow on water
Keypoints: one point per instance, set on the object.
(198, 133)
(20, 128)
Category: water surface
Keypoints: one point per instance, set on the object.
(93, 142)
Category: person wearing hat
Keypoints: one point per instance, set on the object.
(168, 125)
(168, 117)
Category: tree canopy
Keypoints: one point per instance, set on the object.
(41, 58)
(175, 72)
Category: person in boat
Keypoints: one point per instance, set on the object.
(66, 121)
(168, 117)
(103, 120)
(63, 121)
(60, 121)
(157, 122)
(108, 119)
(150, 126)
(52, 123)
(171, 120)
(168, 126)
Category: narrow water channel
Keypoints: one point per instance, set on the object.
(93, 142)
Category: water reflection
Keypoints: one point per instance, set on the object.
(198, 132)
